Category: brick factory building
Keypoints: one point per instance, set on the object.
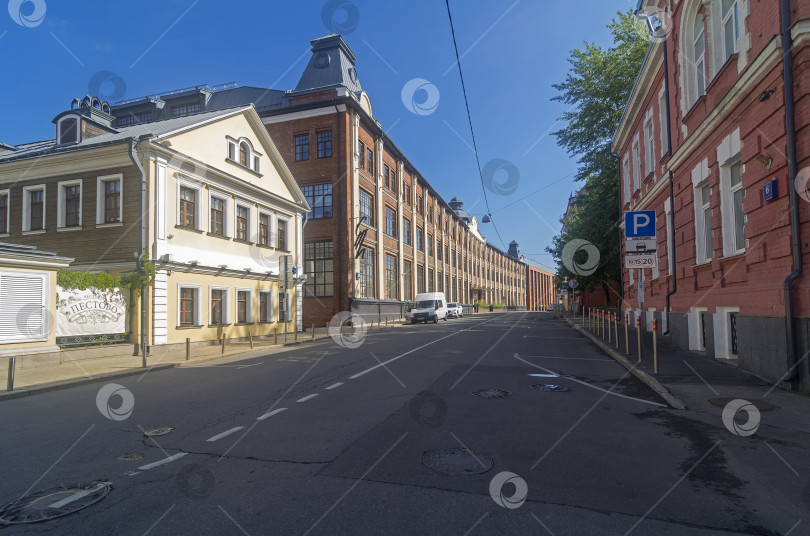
(379, 232)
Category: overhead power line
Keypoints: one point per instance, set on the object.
(469, 120)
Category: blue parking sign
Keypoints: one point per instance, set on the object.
(639, 223)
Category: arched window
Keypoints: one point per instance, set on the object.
(244, 154)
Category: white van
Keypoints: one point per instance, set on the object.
(430, 306)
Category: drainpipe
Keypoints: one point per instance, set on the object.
(133, 155)
(790, 131)
(671, 188)
(660, 33)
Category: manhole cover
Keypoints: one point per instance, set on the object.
(550, 387)
(456, 462)
(55, 502)
(761, 405)
(158, 431)
(129, 457)
(491, 393)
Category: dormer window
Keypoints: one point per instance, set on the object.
(67, 130)
(247, 156)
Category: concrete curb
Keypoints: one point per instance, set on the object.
(73, 382)
(642, 375)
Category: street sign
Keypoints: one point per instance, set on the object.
(573, 283)
(564, 286)
(640, 245)
(647, 260)
(639, 224)
(641, 292)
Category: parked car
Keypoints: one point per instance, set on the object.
(455, 310)
(429, 306)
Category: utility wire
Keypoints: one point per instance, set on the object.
(469, 120)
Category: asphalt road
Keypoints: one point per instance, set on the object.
(324, 439)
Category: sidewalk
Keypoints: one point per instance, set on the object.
(31, 380)
(698, 382)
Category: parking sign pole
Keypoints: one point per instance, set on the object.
(626, 333)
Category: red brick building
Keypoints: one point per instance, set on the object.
(718, 83)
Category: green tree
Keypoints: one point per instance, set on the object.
(597, 88)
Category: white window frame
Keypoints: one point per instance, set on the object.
(699, 64)
(198, 204)
(271, 309)
(728, 155)
(649, 145)
(101, 183)
(248, 307)
(731, 16)
(226, 304)
(197, 304)
(627, 177)
(264, 212)
(663, 119)
(61, 208)
(636, 165)
(226, 211)
(728, 212)
(252, 155)
(701, 233)
(7, 193)
(285, 219)
(696, 341)
(26, 217)
(249, 231)
(11, 312)
(78, 129)
(722, 331)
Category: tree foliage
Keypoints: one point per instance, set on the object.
(597, 88)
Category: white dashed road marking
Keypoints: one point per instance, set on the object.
(271, 413)
(334, 386)
(224, 434)
(163, 461)
(308, 397)
(77, 496)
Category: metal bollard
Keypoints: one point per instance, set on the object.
(250, 338)
(386, 321)
(223, 342)
(655, 346)
(11, 364)
(275, 335)
(626, 333)
(616, 327)
(638, 333)
(608, 327)
(313, 332)
(296, 334)
(188, 348)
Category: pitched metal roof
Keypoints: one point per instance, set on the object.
(19, 250)
(157, 128)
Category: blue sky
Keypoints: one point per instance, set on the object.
(512, 53)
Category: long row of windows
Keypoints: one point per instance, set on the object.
(190, 212)
(70, 204)
(271, 308)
